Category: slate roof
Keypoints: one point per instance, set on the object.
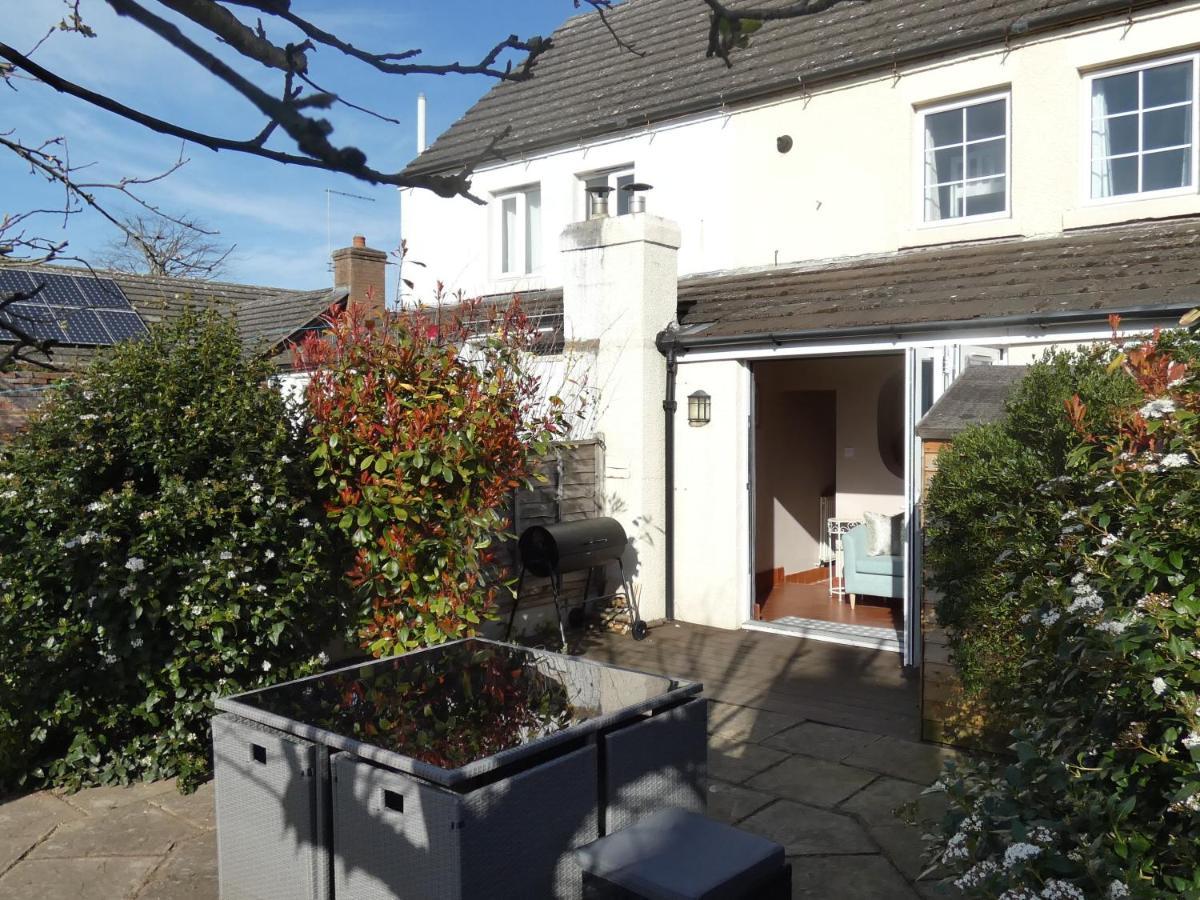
(266, 316)
(585, 86)
(977, 397)
(1085, 273)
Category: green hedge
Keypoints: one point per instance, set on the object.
(159, 544)
(1101, 796)
(988, 530)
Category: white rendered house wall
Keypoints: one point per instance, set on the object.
(852, 181)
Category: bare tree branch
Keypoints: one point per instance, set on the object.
(158, 246)
(350, 162)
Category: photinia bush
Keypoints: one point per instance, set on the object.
(159, 545)
(1102, 798)
(422, 426)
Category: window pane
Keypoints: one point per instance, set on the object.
(1116, 136)
(1113, 177)
(986, 158)
(943, 128)
(1115, 94)
(623, 197)
(985, 120)
(1167, 84)
(1168, 169)
(944, 165)
(984, 197)
(944, 202)
(1170, 127)
(508, 234)
(533, 231)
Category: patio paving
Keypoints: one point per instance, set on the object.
(812, 745)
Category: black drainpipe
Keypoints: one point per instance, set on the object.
(667, 344)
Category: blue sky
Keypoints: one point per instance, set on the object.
(275, 215)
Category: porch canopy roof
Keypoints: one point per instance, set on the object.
(1146, 270)
(977, 397)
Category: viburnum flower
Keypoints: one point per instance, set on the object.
(1156, 409)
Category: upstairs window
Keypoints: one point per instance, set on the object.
(965, 157)
(520, 231)
(618, 200)
(1143, 129)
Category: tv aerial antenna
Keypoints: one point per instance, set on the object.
(329, 195)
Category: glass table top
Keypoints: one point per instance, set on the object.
(458, 703)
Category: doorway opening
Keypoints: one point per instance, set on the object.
(829, 455)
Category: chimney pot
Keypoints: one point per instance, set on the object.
(359, 241)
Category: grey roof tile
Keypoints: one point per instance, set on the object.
(585, 86)
(978, 396)
(1123, 268)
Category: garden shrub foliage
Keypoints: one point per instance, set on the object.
(423, 425)
(1102, 796)
(158, 546)
(986, 532)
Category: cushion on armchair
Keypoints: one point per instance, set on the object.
(884, 534)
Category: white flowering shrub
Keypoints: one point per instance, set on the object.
(159, 546)
(1102, 796)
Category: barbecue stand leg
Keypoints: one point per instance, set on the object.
(637, 627)
(556, 585)
(516, 600)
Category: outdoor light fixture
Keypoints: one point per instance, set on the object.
(699, 409)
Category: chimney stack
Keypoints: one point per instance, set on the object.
(363, 271)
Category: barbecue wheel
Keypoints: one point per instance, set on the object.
(640, 630)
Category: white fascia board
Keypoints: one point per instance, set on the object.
(992, 337)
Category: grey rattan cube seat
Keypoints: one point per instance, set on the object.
(675, 854)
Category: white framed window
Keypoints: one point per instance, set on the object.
(1142, 134)
(519, 231)
(964, 158)
(618, 201)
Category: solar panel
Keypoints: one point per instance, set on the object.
(101, 293)
(11, 282)
(36, 320)
(121, 325)
(82, 326)
(58, 290)
(72, 309)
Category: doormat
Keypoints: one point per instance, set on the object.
(832, 632)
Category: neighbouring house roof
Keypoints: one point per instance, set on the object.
(585, 86)
(266, 317)
(977, 397)
(1086, 273)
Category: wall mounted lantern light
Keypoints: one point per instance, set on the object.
(699, 409)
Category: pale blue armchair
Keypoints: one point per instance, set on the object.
(874, 576)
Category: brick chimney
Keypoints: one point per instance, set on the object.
(359, 268)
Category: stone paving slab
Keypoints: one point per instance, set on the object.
(816, 782)
(26, 821)
(909, 760)
(735, 761)
(730, 803)
(135, 829)
(856, 877)
(806, 830)
(830, 742)
(109, 878)
(746, 723)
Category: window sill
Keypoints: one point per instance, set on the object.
(1114, 210)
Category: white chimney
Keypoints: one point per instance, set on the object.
(420, 123)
